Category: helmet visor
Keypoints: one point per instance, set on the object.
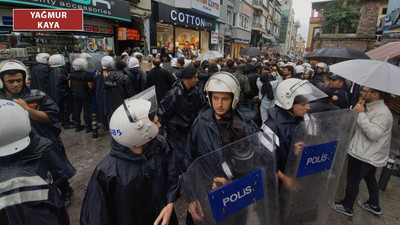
(149, 95)
(306, 92)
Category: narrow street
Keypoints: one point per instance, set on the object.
(85, 152)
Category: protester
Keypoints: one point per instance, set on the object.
(369, 149)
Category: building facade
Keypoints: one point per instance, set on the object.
(183, 27)
(100, 34)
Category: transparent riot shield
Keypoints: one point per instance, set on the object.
(314, 165)
(236, 184)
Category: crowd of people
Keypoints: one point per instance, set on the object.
(198, 107)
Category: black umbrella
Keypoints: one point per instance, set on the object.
(332, 55)
(250, 51)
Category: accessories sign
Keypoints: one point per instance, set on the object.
(48, 19)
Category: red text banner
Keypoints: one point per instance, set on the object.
(48, 20)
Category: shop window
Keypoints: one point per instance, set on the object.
(187, 41)
(165, 38)
(93, 43)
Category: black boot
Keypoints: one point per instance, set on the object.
(79, 127)
(88, 128)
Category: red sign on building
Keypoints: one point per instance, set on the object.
(48, 19)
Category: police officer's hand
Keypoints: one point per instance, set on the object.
(195, 210)
(220, 181)
(165, 215)
(22, 103)
(359, 107)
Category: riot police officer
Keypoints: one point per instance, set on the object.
(81, 84)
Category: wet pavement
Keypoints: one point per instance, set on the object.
(85, 153)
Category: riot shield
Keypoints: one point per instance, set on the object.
(314, 165)
(236, 184)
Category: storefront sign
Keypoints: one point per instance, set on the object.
(47, 19)
(98, 29)
(207, 6)
(214, 37)
(241, 41)
(184, 18)
(128, 34)
(390, 21)
(115, 9)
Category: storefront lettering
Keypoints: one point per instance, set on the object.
(94, 2)
(49, 2)
(189, 19)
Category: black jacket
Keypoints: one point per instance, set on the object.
(317, 78)
(340, 97)
(120, 88)
(31, 198)
(161, 79)
(40, 78)
(203, 78)
(103, 95)
(253, 83)
(205, 136)
(79, 82)
(58, 84)
(138, 79)
(322, 105)
(283, 125)
(177, 111)
(128, 189)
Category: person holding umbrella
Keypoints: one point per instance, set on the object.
(369, 149)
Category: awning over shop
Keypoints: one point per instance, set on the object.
(270, 38)
(389, 51)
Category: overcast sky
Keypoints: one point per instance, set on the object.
(302, 12)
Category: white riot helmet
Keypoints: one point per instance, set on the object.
(12, 65)
(293, 90)
(130, 125)
(57, 60)
(14, 131)
(85, 55)
(133, 62)
(42, 58)
(307, 65)
(223, 82)
(323, 66)
(80, 64)
(299, 69)
(107, 62)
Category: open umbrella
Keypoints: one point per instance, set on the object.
(336, 54)
(378, 75)
(250, 51)
(209, 55)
